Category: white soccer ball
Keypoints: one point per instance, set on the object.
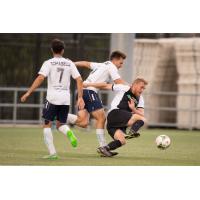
(163, 141)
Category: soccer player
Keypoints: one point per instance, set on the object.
(127, 110)
(58, 70)
(101, 72)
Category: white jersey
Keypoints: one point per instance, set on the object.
(101, 72)
(59, 70)
(122, 97)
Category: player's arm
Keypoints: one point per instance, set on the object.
(114, 74)
(139, 111)
(80, 101)
(37, 82)
(119, 81)
(103, 86)
(79, 82)
(85, 64)
(140, 107)
(108, 86)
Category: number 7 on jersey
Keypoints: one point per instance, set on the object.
(61, 70)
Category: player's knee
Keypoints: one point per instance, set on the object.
(144, 120)
(123, 141)
(102, 120)
(101, 117)
(139, 117)
(58, 126)
(47, 124)
(121, 138)
(84, 124)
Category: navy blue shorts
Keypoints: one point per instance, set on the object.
(92, 100)
(58, 112)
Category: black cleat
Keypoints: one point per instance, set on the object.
(114, 153)
(131, 134)
(104, 152)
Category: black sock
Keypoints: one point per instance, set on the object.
(114, 145)
(137, 125)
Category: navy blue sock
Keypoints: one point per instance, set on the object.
(137, 125)
(114, 145)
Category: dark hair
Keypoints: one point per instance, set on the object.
(57, 45)
(117, 54)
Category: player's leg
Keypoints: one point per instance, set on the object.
(95, 108)
(116, 126)
(135, 122)
(119, 140)
(61, 124)
(72, 118)
(49, 114)
(81, 119)
(99, 116)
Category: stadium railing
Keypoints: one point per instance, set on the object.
(16, 104)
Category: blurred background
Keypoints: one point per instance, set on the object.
(169, 61)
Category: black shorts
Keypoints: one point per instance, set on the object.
(92, 100)
(117, 119)
(58, 112)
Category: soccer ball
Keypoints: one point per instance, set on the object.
(163, 141)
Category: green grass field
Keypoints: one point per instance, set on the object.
(24, 146)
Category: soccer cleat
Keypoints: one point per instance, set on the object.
(114, 153)
(104, 152)
(132, 134)
(72, 138)
(51, 157)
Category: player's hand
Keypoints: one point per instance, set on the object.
(24, 97)
(80, 103)
(85, 85)
(131, 104)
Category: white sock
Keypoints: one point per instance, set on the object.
(71, 118)
(101, 137)
(64, 129)
(48, 140)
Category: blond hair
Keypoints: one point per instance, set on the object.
(140, 79)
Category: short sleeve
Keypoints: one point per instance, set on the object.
(141, 102)
(120, 87)
(113, 72)
(94, 65)
(74, 71)
(44, 70)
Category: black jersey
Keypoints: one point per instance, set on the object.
(122, 97)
